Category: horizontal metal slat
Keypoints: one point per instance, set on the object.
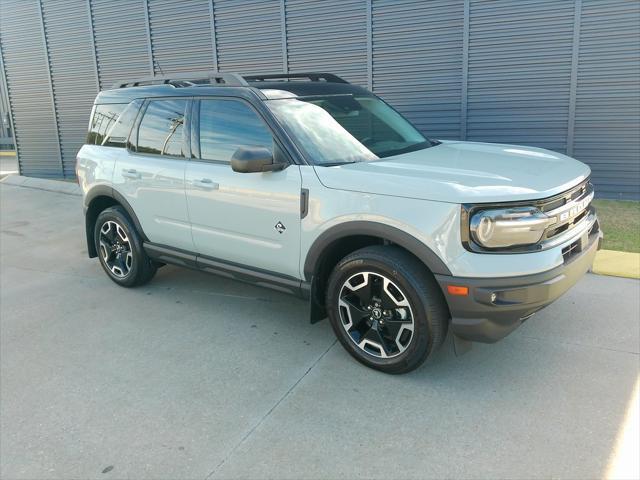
(248, 36)
(72, 73)
(120, 40)
(26, 69)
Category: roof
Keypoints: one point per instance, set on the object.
(264, 86)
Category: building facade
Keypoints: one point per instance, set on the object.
(559, 74)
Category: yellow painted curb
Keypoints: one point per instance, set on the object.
(7, 153)
(617, 264)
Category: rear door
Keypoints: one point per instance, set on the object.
(150, 174)
(250, 219)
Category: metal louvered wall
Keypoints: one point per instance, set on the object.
(419, 69)
(248, 35)
(121, 40)
(327, 36)
(73, 73)
(607, 98)
(26, 69)
(558, 74)
(181, 35)
(520, 72)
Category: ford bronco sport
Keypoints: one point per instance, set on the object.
(313, 186)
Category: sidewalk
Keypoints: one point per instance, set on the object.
(8, 162)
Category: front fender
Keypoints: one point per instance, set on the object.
(374, 229)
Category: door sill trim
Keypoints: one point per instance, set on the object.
(234, 271)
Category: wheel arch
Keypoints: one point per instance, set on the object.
(97, 200)
(338, 241)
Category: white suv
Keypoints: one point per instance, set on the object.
(316, 187)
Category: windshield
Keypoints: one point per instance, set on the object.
(338, 129)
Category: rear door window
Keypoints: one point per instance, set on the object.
(161, 130)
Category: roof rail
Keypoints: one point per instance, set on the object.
(186, 79)
(313, 76)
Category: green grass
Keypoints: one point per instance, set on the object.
(620, 222)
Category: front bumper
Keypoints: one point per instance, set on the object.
(494, 307)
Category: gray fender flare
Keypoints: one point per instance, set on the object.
(386, 232)
(380, 230)
(109, 192)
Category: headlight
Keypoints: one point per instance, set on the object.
(508, 227)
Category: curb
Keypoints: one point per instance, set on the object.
(68, 188)
(617, 264)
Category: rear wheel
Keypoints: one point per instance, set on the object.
(386, 308)
(120, 250)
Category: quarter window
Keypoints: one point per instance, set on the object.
(162, 128)
(103, 120)
(226, 125)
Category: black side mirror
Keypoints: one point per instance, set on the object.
(254, 159)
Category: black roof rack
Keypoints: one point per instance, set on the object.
(313, 76)
(191, 79)
(186, 79)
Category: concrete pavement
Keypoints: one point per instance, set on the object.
(194, 376)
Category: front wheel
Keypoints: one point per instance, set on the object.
(386, 308)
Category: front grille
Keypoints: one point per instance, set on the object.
(565, 197)
(552, 232)
(568, 210)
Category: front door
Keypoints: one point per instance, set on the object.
(250, 219)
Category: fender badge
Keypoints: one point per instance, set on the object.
(280, 227)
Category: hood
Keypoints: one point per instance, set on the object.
(462, 172)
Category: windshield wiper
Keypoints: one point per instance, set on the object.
(335, 164)
(410, 148)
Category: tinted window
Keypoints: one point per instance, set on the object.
(226, 125)
(118, 134)
(162, 128)
(104, 118)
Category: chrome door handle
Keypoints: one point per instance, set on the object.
(205, 184)
(131, 173)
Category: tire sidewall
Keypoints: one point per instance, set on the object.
(422, 341)
(116, 214)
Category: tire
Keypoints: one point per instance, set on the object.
(120, 250)
(405, 317)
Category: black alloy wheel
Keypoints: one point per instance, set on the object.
(120, 249)
(115, 249)
(376, 314)
(386, 308)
